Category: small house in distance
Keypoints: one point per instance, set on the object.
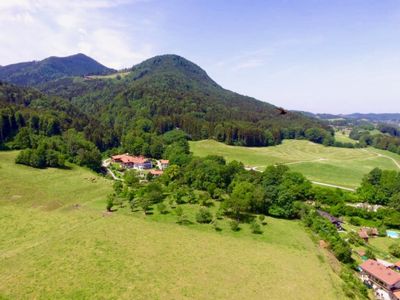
(133, 162)
(164, 163)
(335, 221)
(363, 234)
(156, 173)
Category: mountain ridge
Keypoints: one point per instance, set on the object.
(35, 72)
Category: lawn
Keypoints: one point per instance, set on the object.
(337, 166)
(71, 251)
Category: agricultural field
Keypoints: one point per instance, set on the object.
(56, 242)
(343, 136)
(336, 166)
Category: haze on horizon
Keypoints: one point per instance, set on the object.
(338, 56)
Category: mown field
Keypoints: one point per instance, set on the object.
(55, 243)
(337, 166)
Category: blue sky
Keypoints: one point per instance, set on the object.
(315, 55)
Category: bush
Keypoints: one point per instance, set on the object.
(255, 228)
(234, 225)
(217, 226)
(394, 250)
(179, 211)
(369, 254)
(262, 219)
(162, 208)
(204, 215)
(355, 221)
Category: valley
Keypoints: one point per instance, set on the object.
(330, 165)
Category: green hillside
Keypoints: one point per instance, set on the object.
(55, 242)
(173, 92)
(337, 166)
(37, 72)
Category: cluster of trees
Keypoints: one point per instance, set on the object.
(328, 232)
(381, 187)
(43, 151)
(389, 140)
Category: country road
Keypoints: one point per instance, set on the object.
(334, 186)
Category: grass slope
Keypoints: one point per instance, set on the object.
(69, 252)
(338, 166)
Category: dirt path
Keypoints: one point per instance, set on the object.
(106, 164)
(384, 156)
(334, 186)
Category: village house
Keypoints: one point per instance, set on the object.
(384, 281)
(362, 233)
(335, 221)
(156, 173)
(366, 232)
(164, 163)
(132, 162)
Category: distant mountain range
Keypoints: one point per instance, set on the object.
(384, 117)
(36, 72)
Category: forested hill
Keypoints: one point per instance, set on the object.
(47, 115)
(170, 91)
(37, 72)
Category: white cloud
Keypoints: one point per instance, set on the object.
(35, 29)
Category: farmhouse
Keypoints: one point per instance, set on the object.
(385, 281)
(156, 173)
(164, 163)
(335, 221)
(363, 234)
(132, 162)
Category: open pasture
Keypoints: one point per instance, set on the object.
(72, 251)
(331, 165)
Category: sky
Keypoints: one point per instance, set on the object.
(336, 56)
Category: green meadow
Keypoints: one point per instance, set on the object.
(331, 165)
(57, 243)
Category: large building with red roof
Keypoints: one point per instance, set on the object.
(381, 277)
(132, 162)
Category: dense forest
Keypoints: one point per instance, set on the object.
(175, 93)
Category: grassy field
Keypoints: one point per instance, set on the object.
(337, 166)
(343, 136)
(55, 243)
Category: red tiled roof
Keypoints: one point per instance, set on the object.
(164, 161)
(363, 234)
(380, 272)
(156, 172)
(130, 159)
(397, 294)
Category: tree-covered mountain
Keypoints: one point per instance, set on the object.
(22, 107)
(169, 91)
(37, 72)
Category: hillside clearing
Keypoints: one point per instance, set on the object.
(73, 252)
(330, 165)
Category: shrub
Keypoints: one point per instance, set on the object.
(217, 226)
(355, 221)
(179, 211)
(255, 228)
(162, 208)
(234, 225)
(110, 202)
(394, 250)
(369, 254)
(203, 215)
(262, 219)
